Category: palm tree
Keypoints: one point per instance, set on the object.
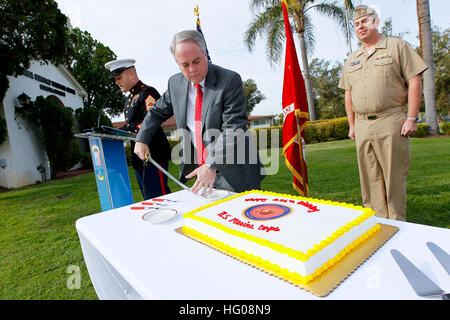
(268, 20)
(426, 46)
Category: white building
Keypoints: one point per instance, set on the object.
(22, 152)
(255, 122)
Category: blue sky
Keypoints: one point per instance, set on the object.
(143, 30)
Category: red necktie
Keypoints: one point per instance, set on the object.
(201, 152)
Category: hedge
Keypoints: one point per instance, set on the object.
(421, 131)
(315, 131)
(444, 128)
(321, 131)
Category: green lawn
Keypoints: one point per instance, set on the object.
(39, 242)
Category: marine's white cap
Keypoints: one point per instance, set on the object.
(118, 66)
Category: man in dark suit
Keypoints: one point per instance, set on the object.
(141, 98)
(208, 103)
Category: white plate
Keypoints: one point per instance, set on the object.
(217, 195)
(159, 215)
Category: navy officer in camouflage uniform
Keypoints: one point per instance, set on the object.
(141, 98)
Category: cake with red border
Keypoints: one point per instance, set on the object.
(294, 237)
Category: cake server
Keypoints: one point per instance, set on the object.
(441, 256)
(422, 285)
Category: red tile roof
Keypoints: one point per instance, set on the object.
(259, 117)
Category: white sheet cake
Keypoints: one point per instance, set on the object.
(296, 238)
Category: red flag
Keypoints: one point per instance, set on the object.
(295, 113)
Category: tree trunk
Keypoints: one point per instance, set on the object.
(309, 95)
(348, 5)
(348, 32)
(426, 45)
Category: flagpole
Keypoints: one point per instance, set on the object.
(196, 12)
(302, 160)
(297, 109)
(199, 29)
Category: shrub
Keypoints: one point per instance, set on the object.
(311, 134)
(86, 161)
(421, 131)
(173, 142)
(54, 124)
(87, 118)
(341, 128)
(444, 128)
(326, 130)
(258, 135)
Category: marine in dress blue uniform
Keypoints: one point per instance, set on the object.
(152, 182)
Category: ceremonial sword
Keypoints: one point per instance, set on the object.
(148, 158)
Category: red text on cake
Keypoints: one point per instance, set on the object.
(242, 224)
(310, 206)
(268, 228)
(256, 199)
(224, 215)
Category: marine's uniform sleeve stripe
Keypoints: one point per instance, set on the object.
(149, 102)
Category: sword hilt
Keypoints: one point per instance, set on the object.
(146, 158)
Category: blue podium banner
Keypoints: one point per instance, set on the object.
(111, 172)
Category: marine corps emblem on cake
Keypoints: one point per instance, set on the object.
(267, 211)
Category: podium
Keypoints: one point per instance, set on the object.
(110, 166)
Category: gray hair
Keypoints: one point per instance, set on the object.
(188, 35)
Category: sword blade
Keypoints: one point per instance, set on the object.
(168, 174)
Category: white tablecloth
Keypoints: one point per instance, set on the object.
(129, 258)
